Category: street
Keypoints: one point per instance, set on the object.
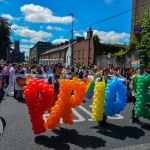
(16, 131)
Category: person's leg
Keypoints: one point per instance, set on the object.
(134, 117)
(103, 122)
(8, 88)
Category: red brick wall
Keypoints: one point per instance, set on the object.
(85, 46)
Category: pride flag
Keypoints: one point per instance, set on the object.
(96, 74)
(90, 88)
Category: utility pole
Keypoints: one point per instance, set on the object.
(72, 40)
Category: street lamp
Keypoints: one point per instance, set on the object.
(72, 15)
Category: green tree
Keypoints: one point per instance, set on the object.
(142, 41)
(5, 31)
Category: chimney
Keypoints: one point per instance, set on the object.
(61, 44)
(89, 33)
(78, 38)
(66, 42)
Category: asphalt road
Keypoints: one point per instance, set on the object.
(16, 132)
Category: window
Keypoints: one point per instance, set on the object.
(90, 53)
(74, 54)
(78, 54)
(83, 53)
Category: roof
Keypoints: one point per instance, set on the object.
(56, 49)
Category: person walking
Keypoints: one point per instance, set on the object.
(105, 77)
(11, 79)
(140, 72)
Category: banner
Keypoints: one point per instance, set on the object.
(22, 79)
(135, 63)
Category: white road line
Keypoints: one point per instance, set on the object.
(135, 147)
(85, 110)
(78, 115)
(80, 118)
(1, 128)
(116, 117)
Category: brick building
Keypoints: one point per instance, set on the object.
(39, 48)
(59, 54)
(83, 50)
(140, 7)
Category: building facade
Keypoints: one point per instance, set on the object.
(59, 54)
(139, 7)
(16, 56)
(39, 48)
(83, 50)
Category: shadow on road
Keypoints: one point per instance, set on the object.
(145, 126)
(2, 126)
(66, 136)
(2, 93)
(121, 133)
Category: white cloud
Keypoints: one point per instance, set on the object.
(109, 1)
(15, 26)
(58, 41)
(25, 48)
(77, 33)
(37, 13)
(111, 36)
(55, 28)
(25, 41)
(34, 36)
(4, 1)
(7, 16)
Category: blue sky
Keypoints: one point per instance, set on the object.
(50, 20)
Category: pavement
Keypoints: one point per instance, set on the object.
(120, 134)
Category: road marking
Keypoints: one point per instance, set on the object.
(135, 147)
(116, 117)
(85, 110)
(1, 128)
(78, 115)
(80, 118)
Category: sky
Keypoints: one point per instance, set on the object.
(50, 20)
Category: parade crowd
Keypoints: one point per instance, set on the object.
(56, 72)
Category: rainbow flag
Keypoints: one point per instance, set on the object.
(135, 63)
(118, 72)
(96, 74)
(90, 88)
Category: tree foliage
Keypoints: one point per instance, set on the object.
(141, 41)
(104, 48)
(5, 31)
